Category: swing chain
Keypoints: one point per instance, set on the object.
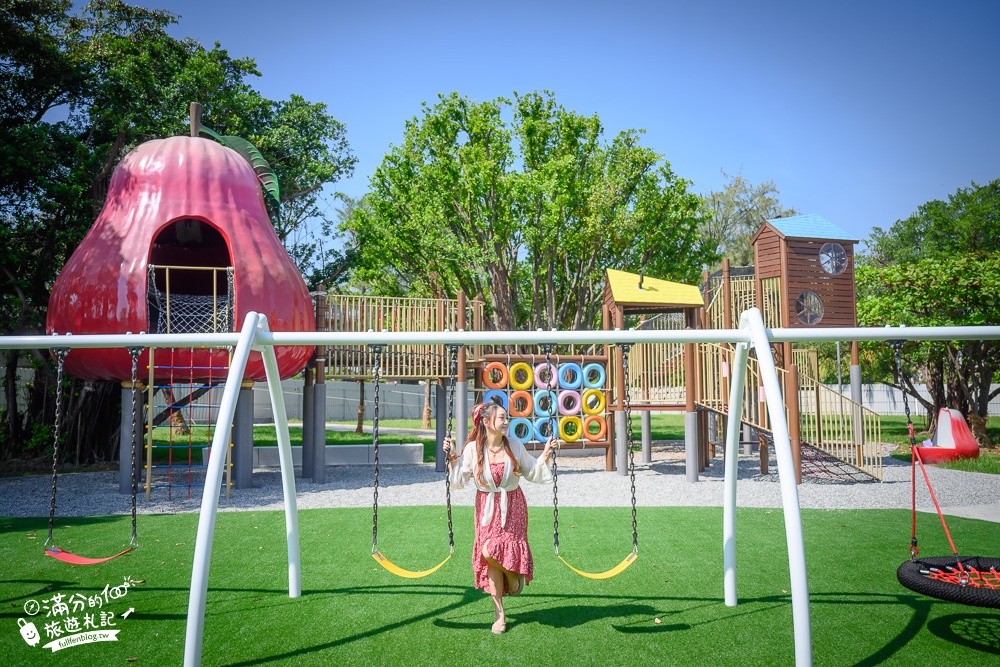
(897, 346)
(453, 372)
(547, 348)
(629, 438)
(376, 373)
(134, 352)
(60, 354)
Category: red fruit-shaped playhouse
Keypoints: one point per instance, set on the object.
(193, 205)
(952, 439)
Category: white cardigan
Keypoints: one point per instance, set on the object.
(530, 468)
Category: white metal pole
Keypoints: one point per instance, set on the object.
(210, 497)
(752, 321)
(287, 466)
(738, 375)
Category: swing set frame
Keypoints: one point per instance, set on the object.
(256, 337)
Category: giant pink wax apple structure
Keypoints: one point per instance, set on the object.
(182, 201)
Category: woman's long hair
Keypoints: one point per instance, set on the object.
(487, 411)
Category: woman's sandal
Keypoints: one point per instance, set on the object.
(520, 586)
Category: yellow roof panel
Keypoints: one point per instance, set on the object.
(655, 292)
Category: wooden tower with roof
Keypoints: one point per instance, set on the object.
(804, 269)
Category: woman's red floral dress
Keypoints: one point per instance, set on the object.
(508, 544)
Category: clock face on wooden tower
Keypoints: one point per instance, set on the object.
(809, 307)
(833, 258)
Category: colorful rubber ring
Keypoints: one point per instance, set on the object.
(502, 395)
(543, 429)
(546, 376)
(488, 373)
(602, 428)
(593, 402)
(545, 403)
(521, 404)
(570, 375)
(594, 376)
(522, 429)
(569, 402)
(570, 429)
(521, 369)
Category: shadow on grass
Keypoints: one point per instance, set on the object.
(572, 611)
(980, 632)
(634, 614)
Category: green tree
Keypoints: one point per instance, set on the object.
(733, 215)
(77, 92)
(963, 291)
(968, 222)
(524, 204)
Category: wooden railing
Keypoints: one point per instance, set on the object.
(835, 424)
(828, 420)
(351, 313)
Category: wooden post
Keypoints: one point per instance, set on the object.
(727, 296)
(195, 114)
(691, 459)
(792, 401)
(620, 458)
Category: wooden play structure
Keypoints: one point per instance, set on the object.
(804, 277)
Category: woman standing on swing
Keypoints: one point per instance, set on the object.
(501, 558)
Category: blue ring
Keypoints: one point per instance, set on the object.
(541, 421)
(553, 403)
(577, 375)
(521, 421)
(602, 376)
(497, 392)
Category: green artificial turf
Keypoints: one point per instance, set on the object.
(665, 609)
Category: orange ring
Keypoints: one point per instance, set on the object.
(529, 402)
(487, 372)
(601, 421)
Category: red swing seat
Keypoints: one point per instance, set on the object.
(952, 439)
(73, 559)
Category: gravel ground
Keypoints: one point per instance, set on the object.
(582, 481)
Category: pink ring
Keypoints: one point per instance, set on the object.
(553, 374)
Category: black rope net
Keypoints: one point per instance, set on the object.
(970, 580)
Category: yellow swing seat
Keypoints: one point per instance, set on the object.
(406, 574)
(607, 574)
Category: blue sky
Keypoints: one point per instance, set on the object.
(858, 111)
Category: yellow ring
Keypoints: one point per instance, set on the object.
(601, 402)
(528, 374)
(563, 435)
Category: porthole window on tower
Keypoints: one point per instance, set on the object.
(809, 308)
(833, 258)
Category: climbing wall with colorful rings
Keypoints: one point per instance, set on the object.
(567, 396)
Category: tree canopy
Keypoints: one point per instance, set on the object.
(524, 204)
(78, 90)
(733, 215)
(940, 267)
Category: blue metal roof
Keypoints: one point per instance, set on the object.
(810, 227)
